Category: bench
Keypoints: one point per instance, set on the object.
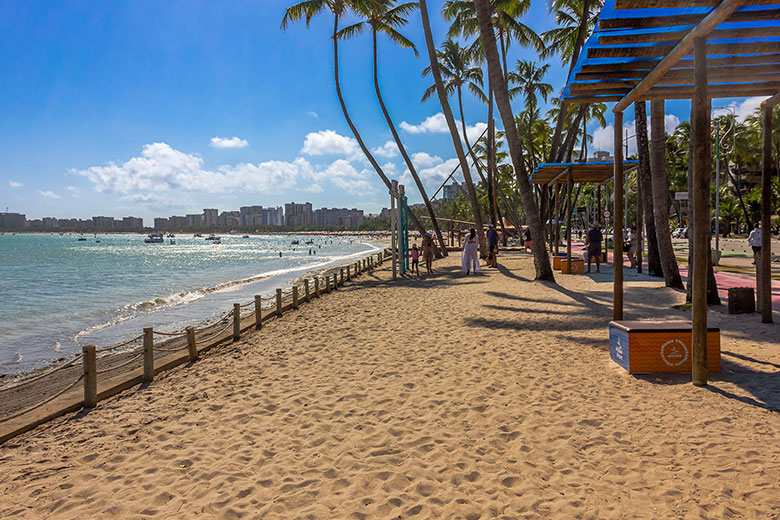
(577, 266)
(658, 346)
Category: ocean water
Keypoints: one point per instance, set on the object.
(58, 294)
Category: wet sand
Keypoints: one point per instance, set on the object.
(485, 396)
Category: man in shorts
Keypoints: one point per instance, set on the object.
(754, 241)
(593, 243)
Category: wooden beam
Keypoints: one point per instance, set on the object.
(681, 92)
(681, 83)
(700, 150)
(774, 100)
(569, 211)
(764, 278)
(675, 36)
(646, 22)
(685, 63)
(681, 73)
(561, 174)
(617, 235)
(663, 49)
(712, 20)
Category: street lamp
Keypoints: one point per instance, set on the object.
(718, 139)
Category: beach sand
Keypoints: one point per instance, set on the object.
(486, 396)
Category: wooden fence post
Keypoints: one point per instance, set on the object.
(335, 281)
(90, 376)
(306, 294)
(236, 321)
(316, 286)
(341, 276)
(295, 296)
(148, 354)
(327, 283)
(192, 346)
(258, 312)
(348, 277)
(278, 303)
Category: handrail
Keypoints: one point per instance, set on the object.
(46, 401)
(124, 343)
(41, 376)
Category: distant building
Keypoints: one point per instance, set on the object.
(273, 217)
(230, 219)
(103, 222)
(12, 220)
(50, 223)
(211, 218)
(195, 220)
(132, 223)
(177, 222)
(601, 156)
(385, 213)
(162, 224)
(248, 212)
(450, 191)
(338, 217)
(298, 214)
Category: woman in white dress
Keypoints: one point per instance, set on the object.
(470, 256)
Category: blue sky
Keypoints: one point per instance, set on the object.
(157, 108)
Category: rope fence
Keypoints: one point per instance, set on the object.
(206, 336)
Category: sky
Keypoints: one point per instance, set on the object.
(150, 108)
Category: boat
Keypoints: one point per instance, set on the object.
(81, 239)
(154, 238)
(310, 242)
(197, 235)
(216, 240)
(296, 242)
(172, 242)
(171, 235)
(245, 236)
(212, 237)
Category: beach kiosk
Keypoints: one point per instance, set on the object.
(684, 49)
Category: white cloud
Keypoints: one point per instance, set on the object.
(743, 109)
(440, 171)
(314, 188)
(74, 191)
(313, 114)
(328, 142)
(225, 142)
(389, 150)
(475, 132)
(435, 124)
(162, 168)
(15, 184)
(671, 122)
(49, 194)
(425, 160)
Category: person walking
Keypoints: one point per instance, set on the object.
(527, 243)
(492, 237)
(415, 256)
(632, 246)
(754, 241)
(427, 246)
(470, 256)
(593, 243)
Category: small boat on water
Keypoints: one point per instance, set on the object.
(212, 237)
(171, 235)
(154, 238)
(296, 242)
(310, 242)
(245, 236)
(81, 239)
(216, 240)
(197, 235)
(172, 242)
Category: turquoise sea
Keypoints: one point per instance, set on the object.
(58, 294)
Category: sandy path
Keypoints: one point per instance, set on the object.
(446, 397)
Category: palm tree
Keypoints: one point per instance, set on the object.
(501, 91)
(307, 10)
(529, 79)
(383, 16)
(445, 107)
(595, 111)
(644, 177)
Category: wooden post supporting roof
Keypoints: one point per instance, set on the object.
(617, 228)
(700, 138)
(703, 28)
(569, 190)
(764, 279)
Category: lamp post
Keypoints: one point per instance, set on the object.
(718, 140)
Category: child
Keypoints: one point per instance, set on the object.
(415, 254)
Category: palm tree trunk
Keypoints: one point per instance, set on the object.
(445, 106)
(491, 155)
(571, 135)
(402, 149)
(541, 260)
(415, 221)
(646, 183)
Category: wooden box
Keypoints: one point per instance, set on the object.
(557, 259)
(577, 266)
(742, 300)
(658, 346)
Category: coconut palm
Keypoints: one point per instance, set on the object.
(529, 79)
(447, 111)
(386, 17)
(306, 11)
(485, 14)
(644, 178)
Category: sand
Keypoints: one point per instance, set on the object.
(485, 396)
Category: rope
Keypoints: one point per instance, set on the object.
(48, 400)
(111, 369)
(247, 304)
(41, 376)
(218, 333)
(108, 349)
(176, 349)
(224, 317)
(170, 333)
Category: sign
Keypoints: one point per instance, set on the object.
(681, 195)
(607, 214)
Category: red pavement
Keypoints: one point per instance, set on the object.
(724, 280)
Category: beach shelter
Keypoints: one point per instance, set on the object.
(597, 172)
(685, 49)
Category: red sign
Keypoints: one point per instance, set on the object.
(607, 214)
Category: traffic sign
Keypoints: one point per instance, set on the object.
(607, 214)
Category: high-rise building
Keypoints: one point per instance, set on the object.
(298, 214)
(12, 220)
(247, 212)
(451, 190)
(230, 219)
(194, 220)
(162, 224)
(177, 222)
(338, 217)
(50, 222)
(273, 216)
(211, 218)
(103, 222)
(132, 223)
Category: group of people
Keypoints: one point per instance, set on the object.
(427, 254)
